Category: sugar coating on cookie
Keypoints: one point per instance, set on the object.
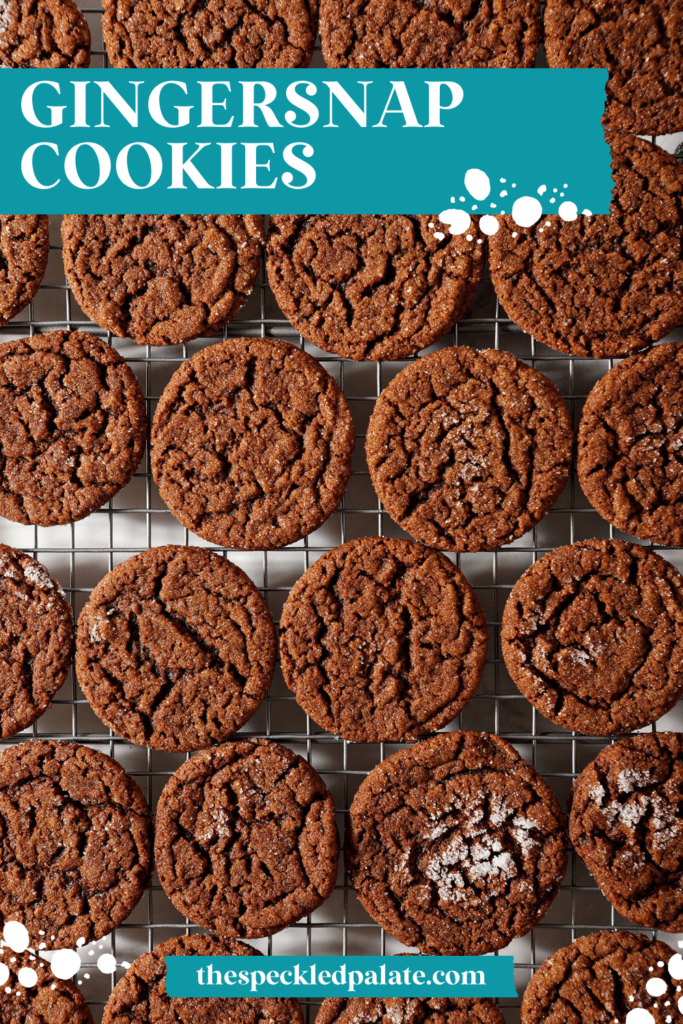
(24, 249)
(49, 1000)
(43, 34)
(409, 1011)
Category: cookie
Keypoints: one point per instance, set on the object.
(161, 280)
(631, 431)
(409, 1011)
(141, 993)
(639, 41)
(468, 449)
(72, 427)
(382, 640)
(43, 34)
(230, 34)
(75, 842)
(456, 845)
(601, 978)
(246, 842)
(36, 640)
(411, 33)
(606, 285)
(369, 287)
(48, 1000)
(252, 443)
(593, 636)
(24, 249)
(627, 827)
(175, 648)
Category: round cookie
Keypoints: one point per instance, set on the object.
(72, 427)
(606, 285)
(175, 648)
(226, 34)
(141, 993)
(456, 845)
(639, 41)
(36, 640)
(43, 34)
(411, 33)
(382, 640)
(368, 287)
(49, 1000)
(601, 978)
(161, 280)
(246, 841)
(626, 825)
(468, 449)
(252, 443)
(593, 636)
(409, 1011)
(24, 249)
(75, 842)
(630, 435)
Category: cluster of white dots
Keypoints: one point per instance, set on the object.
(657, 987)
(64, 963)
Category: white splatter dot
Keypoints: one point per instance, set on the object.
(680, 1005)
(124, 963)
(16, 936)
(568, 211)
(676, 966)
(439, 236)
(65, 963)
(656, 986)
(4, 974)
(27, 977)
(8, 989)
(81, 942)
(458, 221)
(106, 963)
(639, 1015)
(542, 190)
(589, 213)
(452, 199)
(477, 183)
(526, 211)
(503, 193)
(469, 237)
(488, 224)
(462, 199)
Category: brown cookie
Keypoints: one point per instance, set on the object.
(24, 249)
(409, 1011)
(382, 640)
(372, 287)
(599, 979)
(75, 842)
(639, 41)
(604, 285)
(161, 280)
(36, 640)
(212, 34)
(414, 33)
(72, 427)
(246, 842)
(175, 648)
(593, 636)
(630, 437)
(456, 845)
(49, 1000)
(469, 449)
(252, 443)
(626, 824)
(43, 34)
(141, 993)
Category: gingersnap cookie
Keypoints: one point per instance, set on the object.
(24, 249)
(36, 640)
(30, 992)
(409, 1011)
(72, 427)
(75, 842)
(630, 462)
(467, 449)
(161, 280)
(230, 34)
(246, 842)
(456, 845)
(601, 978)
(369, 287)
(605, 285)
(593, 636)
(382, 640)
(141, 993)
(251, 444)
(411, 33)
(43, 34)
(639, 41)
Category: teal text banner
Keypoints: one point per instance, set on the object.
(340, 976)
(304, 141)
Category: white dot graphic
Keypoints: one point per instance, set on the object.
(106, 963)
(27, 977)
(639, 1015)
(680, 1005)
(65, 963)
(656, 986)
(16, 936)
(542, 190)
(526, 211)
(676, 966)
(568, 211)
(458, 221)
(477, 183)
(4, 974)
(488, 224)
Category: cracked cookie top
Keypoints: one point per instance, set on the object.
(161, 280)
(382, 640)
(593, 636)
(246, 841)
(24, 249)
(369, 287)
(603, 285)
(175, 648)
(75, 842)
(50, 1000)
(409, 1011)
(456, 845)
(72, 427)
(43, 34)
(468, 449)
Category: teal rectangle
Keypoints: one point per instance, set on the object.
(340, 976)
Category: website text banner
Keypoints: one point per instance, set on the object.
(313, 141)
(340, 976)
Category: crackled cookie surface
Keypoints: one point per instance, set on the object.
(409, 1011)
(43, 34)
(24, 249)
(49, 1000)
